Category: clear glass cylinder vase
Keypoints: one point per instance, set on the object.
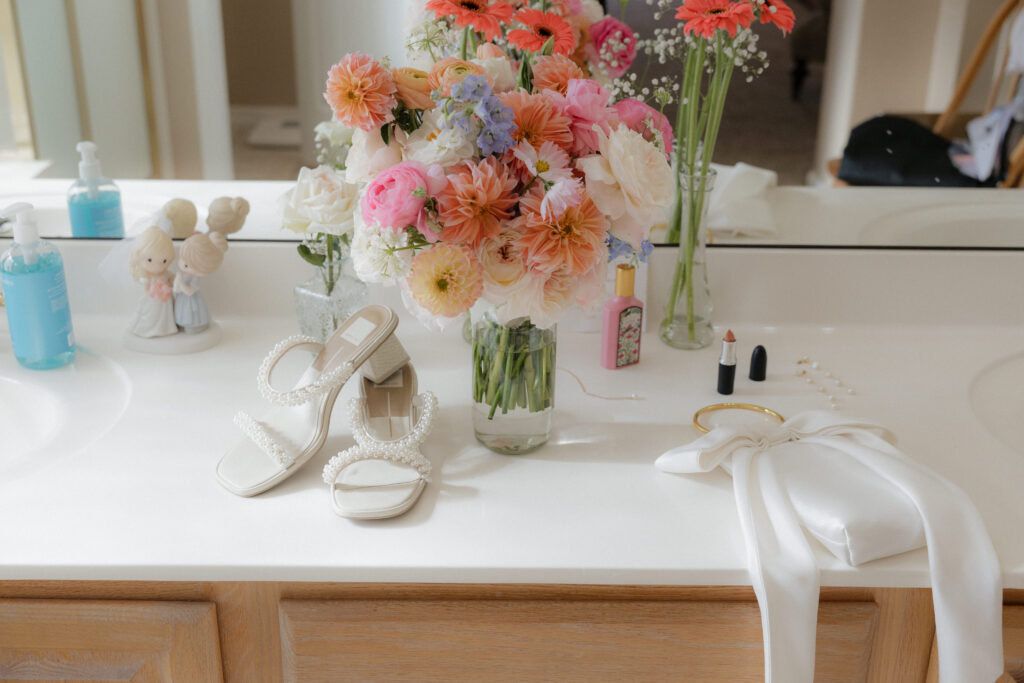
(327, 299)
(688, 307)
(513, 384)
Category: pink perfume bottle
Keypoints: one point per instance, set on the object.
(623, 318)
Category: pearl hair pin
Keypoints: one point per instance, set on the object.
(824, 381)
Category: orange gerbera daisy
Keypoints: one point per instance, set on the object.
(574, 241)
(475, 201)
(554, 73)
(541, 26)
(361, 92)
(704, 17)
(482, 15)
(537, 119)
(777, 12)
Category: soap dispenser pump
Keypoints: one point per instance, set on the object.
(94, 201)
(35, 296)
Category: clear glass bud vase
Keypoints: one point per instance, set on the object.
(513, 384)
(328, 298)
(687, 321)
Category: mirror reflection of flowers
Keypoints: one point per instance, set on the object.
(712, 40)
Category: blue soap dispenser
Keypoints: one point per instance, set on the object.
(36, 297)
(94, 201)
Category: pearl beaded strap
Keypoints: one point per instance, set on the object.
(335, 377)
(404, 451)
(261, 437)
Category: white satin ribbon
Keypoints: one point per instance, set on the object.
(965, 571)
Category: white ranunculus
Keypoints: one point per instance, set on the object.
(321, 201)
(630, 182)
(431, 144)
(499, 72)
(377, 255)
(335, 133)
(369, 155)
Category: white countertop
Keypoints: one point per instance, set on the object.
(140, 502)
(136, 499)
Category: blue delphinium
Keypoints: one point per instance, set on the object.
(617, 248)
(473, 97)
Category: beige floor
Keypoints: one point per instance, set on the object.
(262, 163)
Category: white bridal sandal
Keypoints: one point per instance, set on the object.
(283, 440)
(384, 474)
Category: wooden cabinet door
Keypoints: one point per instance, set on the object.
(113, 640)
(524, 640)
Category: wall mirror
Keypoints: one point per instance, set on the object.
(175, 91)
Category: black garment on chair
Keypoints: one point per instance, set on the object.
(894, 151)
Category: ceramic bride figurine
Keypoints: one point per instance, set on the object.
(149, 264)
(201, 255)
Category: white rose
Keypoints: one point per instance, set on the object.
(431, 144)
(369, 155)
(334, 132)
(504, 270)
(630, 182)
(499, 72)
(321, 201)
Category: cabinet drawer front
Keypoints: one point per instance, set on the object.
(553, 639)
(109, 640)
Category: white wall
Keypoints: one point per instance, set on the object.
(7, 141)
(326, 30)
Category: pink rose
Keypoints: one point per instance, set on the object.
(645, 120)
(396, 197)
(613, 46)
(586, 102)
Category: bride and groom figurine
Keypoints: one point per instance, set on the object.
(172, 302)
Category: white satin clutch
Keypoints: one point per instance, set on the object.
(858, 516)
(847, 484)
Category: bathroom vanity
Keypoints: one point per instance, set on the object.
(124, 559)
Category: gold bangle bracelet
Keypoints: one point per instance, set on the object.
(731, 406)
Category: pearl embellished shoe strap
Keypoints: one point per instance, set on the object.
(403, 451)
(262, 438)
(331, 379)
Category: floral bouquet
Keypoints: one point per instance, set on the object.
(501, 171)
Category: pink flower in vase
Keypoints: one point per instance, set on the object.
(645, 120)
(586, 102)
(613, 46)
(396, 197)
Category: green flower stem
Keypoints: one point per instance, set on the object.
(509, 370)
(464, 44)
(706, 125)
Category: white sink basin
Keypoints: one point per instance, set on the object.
(997, 397)
(54, 413)
(950, 225)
